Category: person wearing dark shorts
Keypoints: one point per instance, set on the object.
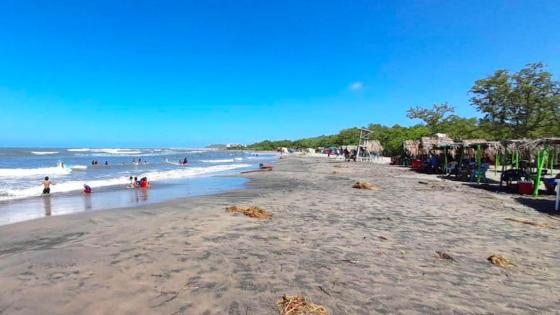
(47, 186)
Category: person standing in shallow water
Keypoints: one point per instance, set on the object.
(87, 189)
(131, 183)
(47, 186)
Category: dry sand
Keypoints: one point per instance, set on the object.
(353, 251)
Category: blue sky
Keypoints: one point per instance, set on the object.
(191, 73)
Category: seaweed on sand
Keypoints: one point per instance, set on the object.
(544, 225)
(365, 185)
(500, 261)
(298, 305)
(252, 212)
(444, 255)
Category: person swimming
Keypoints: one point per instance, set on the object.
(265, 167)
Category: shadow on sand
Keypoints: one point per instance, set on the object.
(488, 181)
(544, 203)
(541, 205)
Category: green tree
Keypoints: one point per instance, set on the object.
(519, 105)
(348, 136)
(463, 128)
(391, 138)
(433, 117)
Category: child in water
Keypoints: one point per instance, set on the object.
(87, 189)
(131, 184)
(47, 186)
(144, 183)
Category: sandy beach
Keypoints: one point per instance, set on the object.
(353, 251)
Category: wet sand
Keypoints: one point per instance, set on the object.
(353, 251)
(13, 211)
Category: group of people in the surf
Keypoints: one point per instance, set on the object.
(138, 183)
(183, 162)
(96, 162)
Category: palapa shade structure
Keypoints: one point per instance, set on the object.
(441, 142)
(411, 147)
(428, 144)
(490, 149)
(530, 146)
(374, 146)
(542, 152)
(425, 145)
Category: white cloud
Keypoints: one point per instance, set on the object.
(356, 86)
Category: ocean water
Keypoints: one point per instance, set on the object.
(23, 169)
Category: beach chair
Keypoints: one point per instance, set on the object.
(480, 174)
(550, 185)
(513, 175)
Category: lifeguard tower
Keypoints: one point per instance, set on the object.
(363, 153)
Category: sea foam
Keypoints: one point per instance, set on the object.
(77, 185)
(43, 152)
(30, 172)
(107, 151)
(217, 161)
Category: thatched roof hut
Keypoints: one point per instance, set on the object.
(534, 145)
(426, 145)
(411, 147)
(350, 147)
(489, 148)
(441, 142)
(468, 142)
(530, 147)
(374, 146)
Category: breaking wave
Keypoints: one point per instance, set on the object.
(77, 185)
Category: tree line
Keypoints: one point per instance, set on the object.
(523, 104)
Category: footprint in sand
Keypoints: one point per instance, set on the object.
(27, 276)
(56, 276)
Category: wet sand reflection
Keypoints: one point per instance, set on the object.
(47, 205)
(87, 202)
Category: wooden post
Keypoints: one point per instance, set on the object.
(478, 156)
(557, 207)
(541, 158)
(552, 160)
(358, 148)
(497, 163)
(445, 159)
